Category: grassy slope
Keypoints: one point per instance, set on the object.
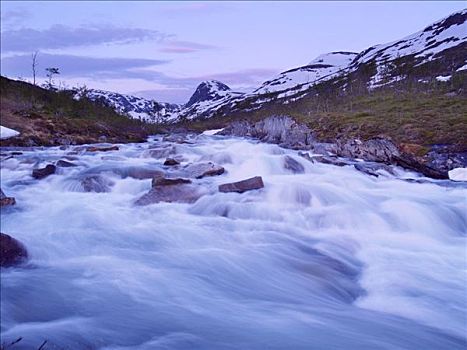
(415, 117)
(51, 118)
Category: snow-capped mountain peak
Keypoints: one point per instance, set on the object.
(208, 90)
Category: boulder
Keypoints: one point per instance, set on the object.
(102, 149)
(171, 162)
(6, 201)
(140, 173)
(282, 130)
(293, 166)
(12, 251)
(253, 183)
(373, 169)
(64, 164)
(170, 190)
(410, 162)
(378, 149)
(200, 170)
(44, 172)
(330, 160)
(96, 183)
(162, 181)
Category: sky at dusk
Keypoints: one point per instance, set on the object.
(163, 50)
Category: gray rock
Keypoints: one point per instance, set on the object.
(6, 201)
(171, 190)
(410, 162)
(333, 160)
(44, 172)
(375, 150)
(140, 173)
(282, 130)
(12, 251)
(171, 162)
(96, 183)
(102, 149)
(162, 181)
(200, 170)
(253, 183)
(292, 165)
(65, 164)
(373, 169)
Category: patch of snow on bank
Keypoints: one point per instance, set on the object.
(458, 174)
(212, 132)
(443, 78)
(6, 133)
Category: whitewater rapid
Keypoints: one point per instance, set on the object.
(328, 259)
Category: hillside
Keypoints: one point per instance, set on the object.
(49, 118)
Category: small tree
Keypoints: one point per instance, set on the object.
(34, 64)
(51, 71)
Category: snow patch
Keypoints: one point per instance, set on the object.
(458, 174)
(443, 78)
(6, 133)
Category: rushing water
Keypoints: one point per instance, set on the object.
(328, 259)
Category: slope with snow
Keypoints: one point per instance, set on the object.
(434, 53)
(419, 48)
(322, 68)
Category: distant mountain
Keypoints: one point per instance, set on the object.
(206, 97)
(434, 53)
(135, 107)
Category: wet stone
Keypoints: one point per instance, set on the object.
(253, 183)
(12, 251)
(44, 172)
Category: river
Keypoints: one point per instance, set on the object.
(328, 259)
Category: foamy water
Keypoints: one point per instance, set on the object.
(328, 259)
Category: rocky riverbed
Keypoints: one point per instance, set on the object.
(215, 242)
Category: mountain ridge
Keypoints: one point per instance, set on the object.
(438, 50)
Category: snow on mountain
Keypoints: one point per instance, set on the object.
(424, 46)
(322, 68)
(437, 51)
(136, 107)
(207, 96)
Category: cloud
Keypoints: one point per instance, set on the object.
(14, 17)
(179, 46)
(106, 72)
(61, 36)
(78, 66)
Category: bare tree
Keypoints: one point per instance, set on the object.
(34, 64)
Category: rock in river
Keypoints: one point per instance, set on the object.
(64, 164)
(253, 183)
(5, 201)
(171, 161)
(171, 190)
(44, 172)
(102, 149)
(201, 170)
(293, 165)
(12, 251)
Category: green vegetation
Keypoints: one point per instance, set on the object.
(413, 114)
(48, 117)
